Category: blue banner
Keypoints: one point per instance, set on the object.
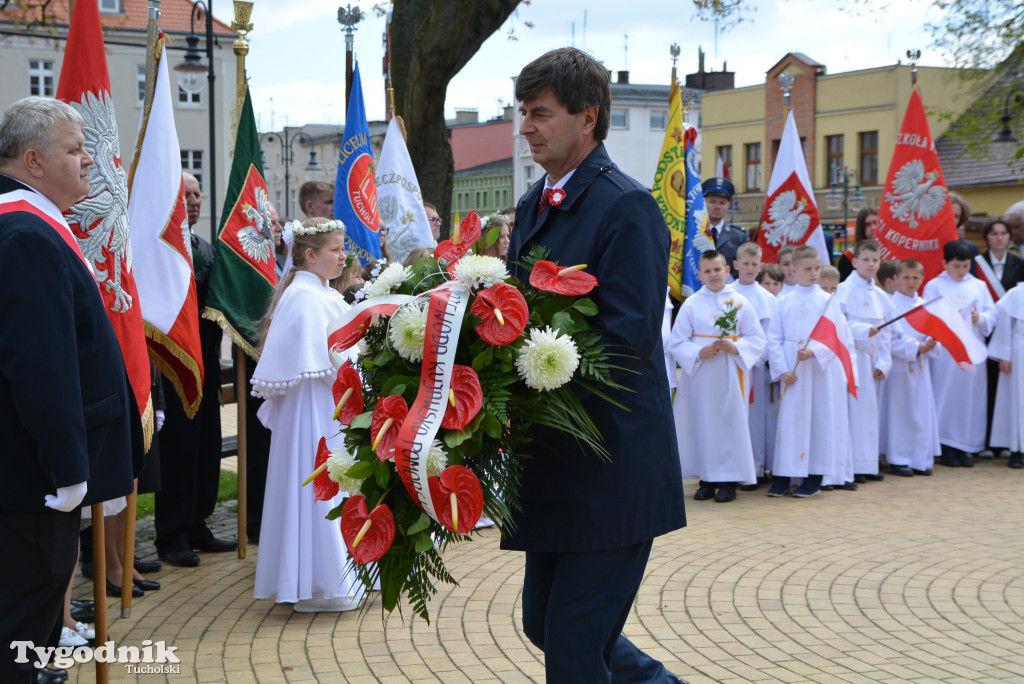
(698, 235)
(355, 190)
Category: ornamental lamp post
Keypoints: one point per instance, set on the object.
(313, 169)
(1005, 141)
(348, 17)
(833, 200)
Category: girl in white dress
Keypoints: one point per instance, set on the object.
(302, 557)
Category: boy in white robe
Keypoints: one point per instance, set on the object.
(912, 441)
(842, 478)
(711, 399)
(866, 306)
(762, 421)
(1007, 347)
(812, 411)
(961, 395)
(785, 257)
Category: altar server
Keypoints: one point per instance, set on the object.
(1007, 346)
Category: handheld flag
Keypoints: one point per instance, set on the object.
(670, 190)
(790, 213)
(162, 248)
(939, 319)
(355, 190)
(827, 331)
(243, 277)
(402, 215)
(916, 217)
(99, 220)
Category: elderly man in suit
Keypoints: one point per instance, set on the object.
(65, 407)
(718, 193)
(587, 524)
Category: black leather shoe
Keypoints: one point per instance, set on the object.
(114, 590)
(146, 567)
(872, 477)
(750, 488)
(847, 487)
(83, 613)
(146, 585)
(726, 492)
(901, 470)
(215, 545)
(926, 471)
(779, 486)
(966, 461)
(950, 460)
(860, 479)
(51, 675)
(1016, 460)
(183, 558)
(705, 491)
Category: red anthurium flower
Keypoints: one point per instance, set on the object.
(367, 536)
(464, 237)
(464, 398)
(348, 394)
(458, 499)
(503, 313)
(387, 419)
(568, 281)
(324, 488)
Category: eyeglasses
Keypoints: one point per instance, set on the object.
(435, 219)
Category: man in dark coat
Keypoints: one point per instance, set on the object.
(718, 193)
(587, 524)
(65, 406)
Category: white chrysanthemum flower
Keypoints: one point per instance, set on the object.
(480, 271)
(437, 459)
(407, 331)
(338, 464)
(390, 278)
(547, 360)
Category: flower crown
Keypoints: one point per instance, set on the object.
(318, 228)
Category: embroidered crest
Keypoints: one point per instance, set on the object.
(787, 220)
(915, 194)
(257, 240)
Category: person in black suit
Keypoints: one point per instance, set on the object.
(718, 193)
(962, 214)
(65, 406)
(586, 523)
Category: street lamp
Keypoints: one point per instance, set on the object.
(834, 200)
(313, 170)
(190, 80)
(1005, 141)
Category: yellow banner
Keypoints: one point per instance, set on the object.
(670, 188)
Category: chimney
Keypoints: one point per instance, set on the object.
(623, 77)
(466, 116)
(700, 60)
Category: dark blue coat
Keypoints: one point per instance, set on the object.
(729, 240)
(571, 499)
(65, 408)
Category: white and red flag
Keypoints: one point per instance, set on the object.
(161, 243)
(827, 331)
(915, 218)
(790, 214)
(988, 276)
(940, 320)
(99, 220)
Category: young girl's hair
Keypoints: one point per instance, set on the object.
(301, 243)
(342, 282)
(773, 271)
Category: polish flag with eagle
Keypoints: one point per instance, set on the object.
(790, 213)
(99, 220)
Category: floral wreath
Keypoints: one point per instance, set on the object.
(300, 229)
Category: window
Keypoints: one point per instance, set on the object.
(40, 78)
(869, 158)
(110, 6)
(504, 198)
(620, 118)
(140, 79)
(659, 120)
(478, 199)
(753, 157)
(459, 196)
(528, 175)
(192, 162)
(189, 99)
(723, 157)
(834, 157)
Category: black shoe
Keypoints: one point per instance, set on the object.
(926, 471)
(51, 675)
(750, 487)
(811, 486)
(847, 487)
(705, 491)
(146, 585)
(82, 603)
(114, 590)
(966, 460)
(726, 492)
(1016, 460)
(872, 477)
(860, 479)
(183, 558)
(950, 460)
(83, 613)
(827, 488)
(146, 567)
(901, 470)
(214, 545)
(779, 486)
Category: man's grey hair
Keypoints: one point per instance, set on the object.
(1015, 211)
(29, 124)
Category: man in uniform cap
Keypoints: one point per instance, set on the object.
(718, 193)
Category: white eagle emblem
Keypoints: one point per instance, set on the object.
(702, 238)
(257, 240)
(186, 236)
(103, 213)
(787, 222)
(915, 194)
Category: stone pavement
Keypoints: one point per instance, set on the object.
(906, 580)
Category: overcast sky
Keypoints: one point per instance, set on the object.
(296, 62)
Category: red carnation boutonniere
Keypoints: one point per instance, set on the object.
(557, 196)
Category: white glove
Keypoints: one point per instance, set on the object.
(68, 498)
(159, 417)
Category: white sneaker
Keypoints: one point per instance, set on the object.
(69, 637)
(322, 605)
(1005, 453)
(986, 453)
(85, 630)
(484, 522)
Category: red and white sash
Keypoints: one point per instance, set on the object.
(37, 205)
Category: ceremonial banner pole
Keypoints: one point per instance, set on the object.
(243, 10)
(99, 587)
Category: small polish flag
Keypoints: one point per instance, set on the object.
(827, 332)
(939, 319)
